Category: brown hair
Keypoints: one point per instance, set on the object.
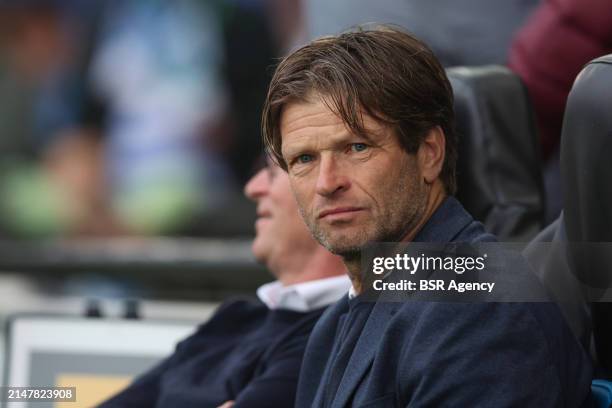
(385, 72)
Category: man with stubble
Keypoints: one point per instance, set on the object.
(363, 125)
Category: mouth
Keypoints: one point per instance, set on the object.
(339, 212)
(262, 218)
(263, 214)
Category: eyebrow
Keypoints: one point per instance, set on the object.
(299, 147)
(366, 136)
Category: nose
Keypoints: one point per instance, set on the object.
(258, 185)
(331, 179)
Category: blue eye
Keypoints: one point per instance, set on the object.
(304, 158)
(359, 147)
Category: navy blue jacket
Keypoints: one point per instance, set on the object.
(245, 352)
(367, 354)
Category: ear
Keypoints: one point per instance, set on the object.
(431, 154)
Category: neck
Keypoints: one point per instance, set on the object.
(318, 265)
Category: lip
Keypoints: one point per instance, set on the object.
(262, 218)
(261, 222)
(263, 214)
(338, 212)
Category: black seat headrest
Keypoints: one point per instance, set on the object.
(499, 175)
(586, 168)
(586, 145)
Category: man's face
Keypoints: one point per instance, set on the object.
(351, 189)
(280, 233)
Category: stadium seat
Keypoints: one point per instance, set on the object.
(499, 175)
(577, 263)
(547, 255)
(586, 169)
(601, 392)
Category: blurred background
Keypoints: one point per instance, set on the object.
(126, 126)
(127, 132)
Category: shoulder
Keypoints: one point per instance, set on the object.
(242, 306)
(474, 232)
(470, 230)
(234, 316)
(525, 347)
(478, 323)
(452, 223)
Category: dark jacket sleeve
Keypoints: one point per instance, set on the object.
(559, 38)
(143, 392)
(276, 383)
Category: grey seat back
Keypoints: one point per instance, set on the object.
(586, 168)
(499, 175)
(547, 256)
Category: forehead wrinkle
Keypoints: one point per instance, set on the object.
(305, 141)
(313, 130)
(313, 118)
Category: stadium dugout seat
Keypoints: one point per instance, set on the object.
(577, 264)
(547, 255)
(601, 392)
(499, 175)
(586, 169)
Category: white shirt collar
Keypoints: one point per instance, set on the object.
(352, 293)
(306, 296)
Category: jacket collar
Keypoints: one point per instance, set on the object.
(446, 223)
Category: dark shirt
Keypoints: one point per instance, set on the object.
(417, 353)
(245, 352)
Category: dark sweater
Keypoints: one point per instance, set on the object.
(436, 354)
(245, 352)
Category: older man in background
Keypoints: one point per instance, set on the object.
(250, 352)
